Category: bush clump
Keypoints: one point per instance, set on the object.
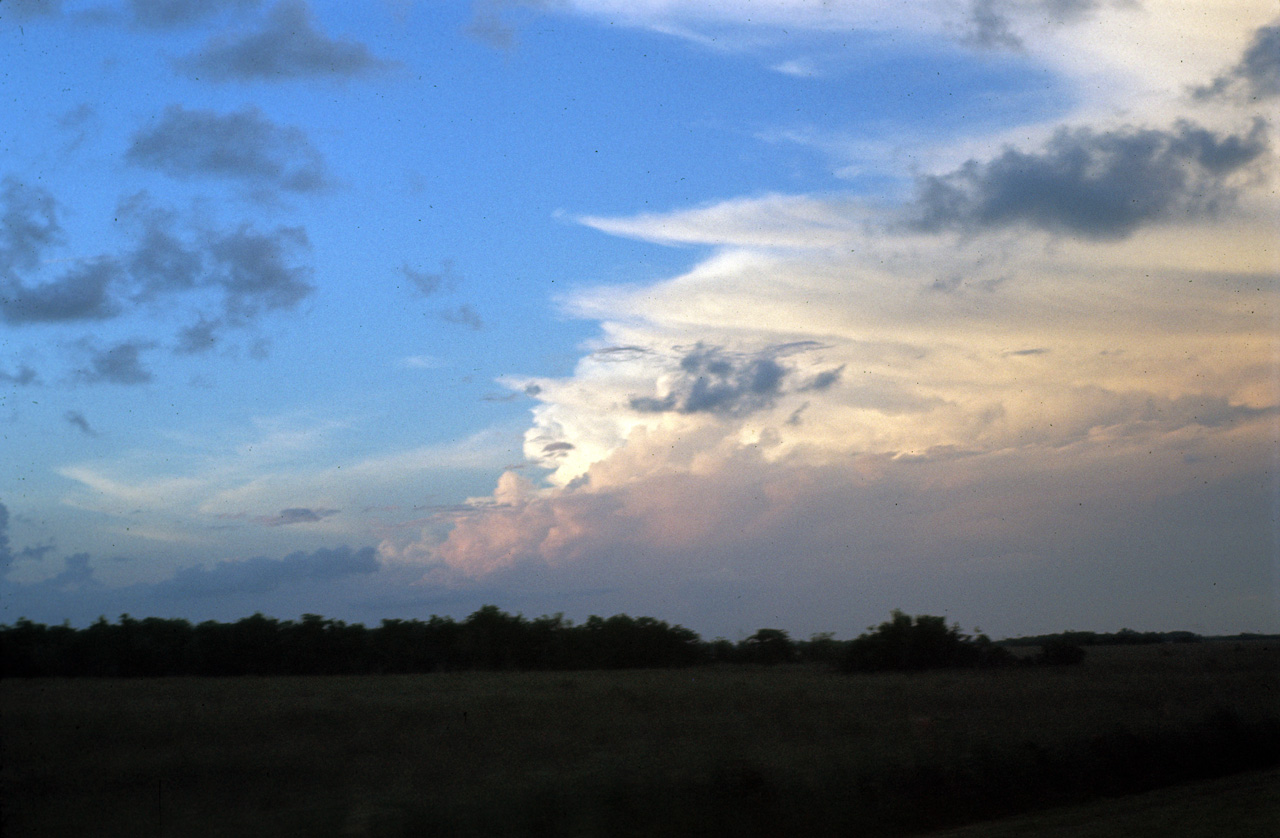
(923, 642)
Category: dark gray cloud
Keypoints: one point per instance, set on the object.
(1260, 66)
(252, 271)
(463, 315)
(261, 574)
(1101, 185)
(169, 14)
(23, 377)
(82, 293)
(712, 380)
(425, 282)
(28, 225)
(119, 364)
(1258, 73)
(825, 379)
(287, 46)
(243, 145)
(77, 420)
(298, 515)
(255, 270)
(160, 262)
(198, 338)
(989, 26)
(29, 9)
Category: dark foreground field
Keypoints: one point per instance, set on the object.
(714, 751)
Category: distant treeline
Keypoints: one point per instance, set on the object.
(491, 639)
(1123, 637)
(313, 645)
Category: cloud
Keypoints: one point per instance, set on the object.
(463, 315)
(298, 515)
(425, 282)
(77, 420)
(249, 272)
(287, 46)
(28, 224)
(29, 9)
(169, 14)
(261, 574)
(1098, 184)
(23, 377)
(6, 554)
(82, 293)
(990, 24)
(255, 273)
(1258, 72)
(242, 145)
(712, 380)
(119, 364)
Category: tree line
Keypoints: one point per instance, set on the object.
(489, 639)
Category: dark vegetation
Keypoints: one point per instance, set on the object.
(718, 750)
(489, 639)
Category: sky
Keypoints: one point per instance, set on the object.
(764, 313)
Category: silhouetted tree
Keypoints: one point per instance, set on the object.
(769, 646)
(925, 642)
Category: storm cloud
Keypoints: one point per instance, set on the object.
(287, 46)
(1096, 184)
(242, 145)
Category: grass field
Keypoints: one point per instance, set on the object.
(714, 751)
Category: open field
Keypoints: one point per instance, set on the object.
(704, 751)
(1240, 806)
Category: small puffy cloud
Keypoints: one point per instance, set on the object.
(23, 377)
(28, 224)
(82, 293)
(242, 145)
(77, 420)
(463, 315)
(297, 515)
(198, 338)
(169, 14)
(425, 282)
(1097, 184)
(119, 364)
(287, 46)
(255, 270)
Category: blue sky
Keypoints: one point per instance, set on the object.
(735, 314)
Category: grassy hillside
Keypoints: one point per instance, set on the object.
(704, 751)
